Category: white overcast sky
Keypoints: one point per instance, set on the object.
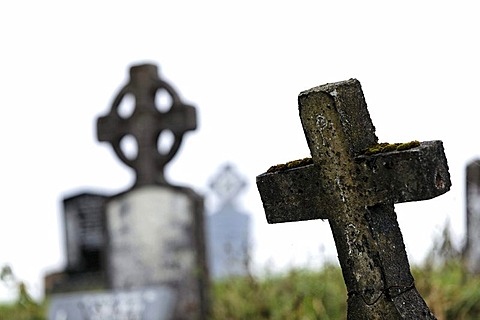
(242, 64)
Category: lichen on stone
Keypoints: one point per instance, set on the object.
(388, 147)
(290, 165)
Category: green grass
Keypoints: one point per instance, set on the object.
(300, 294)
(25, 308)
(303, 294)
(449, 291)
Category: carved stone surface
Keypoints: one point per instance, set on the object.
(227, 185)
(147, 124)
(356, 193)
(152, 303)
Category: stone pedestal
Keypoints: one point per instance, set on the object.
(155, 239)
(229, 243)
(140, 304)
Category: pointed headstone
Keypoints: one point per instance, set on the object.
(228, 228)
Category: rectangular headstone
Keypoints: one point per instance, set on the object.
(85, 245)
(84, 231)
(154, 240)
(472, 247)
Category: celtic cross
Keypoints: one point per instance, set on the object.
(147, 124)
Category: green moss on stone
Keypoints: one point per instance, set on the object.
(408, 145)
(388, 147)
(290, 165)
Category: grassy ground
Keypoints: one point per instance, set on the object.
(300, 294)
(447, 289)
(304, 294)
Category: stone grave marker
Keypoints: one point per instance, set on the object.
(154, 257)
(137, 304)
(85, 240)
(85, 245)
(472, 245)
(354, 183)
(228, 228)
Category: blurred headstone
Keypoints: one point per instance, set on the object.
(137, 304)
(354, 182)
(85, 240)
(85, 245)
(151, 250)
(472, 245)
(228, 228)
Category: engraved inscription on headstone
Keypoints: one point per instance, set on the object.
(149, 303)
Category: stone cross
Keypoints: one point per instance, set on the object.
(227, 185)
(155, 231)
(147, 124)
(356, 192)
(228, 228)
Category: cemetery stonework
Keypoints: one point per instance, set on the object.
(152, 259)
(354, 182)
(472, 245)
(228, 228)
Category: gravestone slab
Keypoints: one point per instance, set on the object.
(85, 245)
(84, 231)
(228, 228)
(154, 240)
(472, 246)
(354, 182)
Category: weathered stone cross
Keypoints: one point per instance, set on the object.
(356, 193)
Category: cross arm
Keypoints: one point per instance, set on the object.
(420, 173)
(292, 195)
(296, 194)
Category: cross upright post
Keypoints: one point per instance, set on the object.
(356, 192)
